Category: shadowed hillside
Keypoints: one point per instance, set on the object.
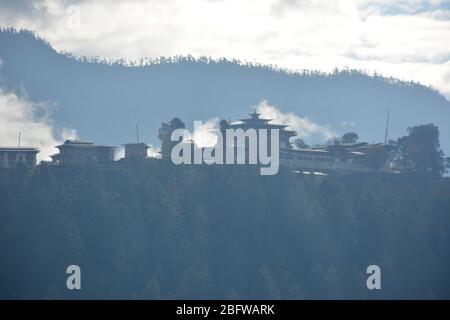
(104, 101)
(152, 231)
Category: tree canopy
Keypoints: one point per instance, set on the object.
(152, 230)
(420, 150)
(164, 135)
(349, 137)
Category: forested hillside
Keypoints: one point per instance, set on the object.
(152, 230)
(103, 100)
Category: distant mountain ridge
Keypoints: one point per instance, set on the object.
(105, 101)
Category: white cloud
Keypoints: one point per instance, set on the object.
(154, 153)
(34, 123)
(205, 135)
(304, 127)
(400, 38)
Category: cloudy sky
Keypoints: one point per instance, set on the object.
(18, 114)
(409, 40)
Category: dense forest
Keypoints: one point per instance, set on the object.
(152, 230)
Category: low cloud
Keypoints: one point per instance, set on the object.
(154, 153)
(205, 134)
(33, 121)
(304, 127)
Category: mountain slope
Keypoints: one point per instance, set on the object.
(105, 101)
(150, 230)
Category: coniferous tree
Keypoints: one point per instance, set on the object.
(420, 150)
(164, 135)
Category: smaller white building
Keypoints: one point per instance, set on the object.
(11, 156)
